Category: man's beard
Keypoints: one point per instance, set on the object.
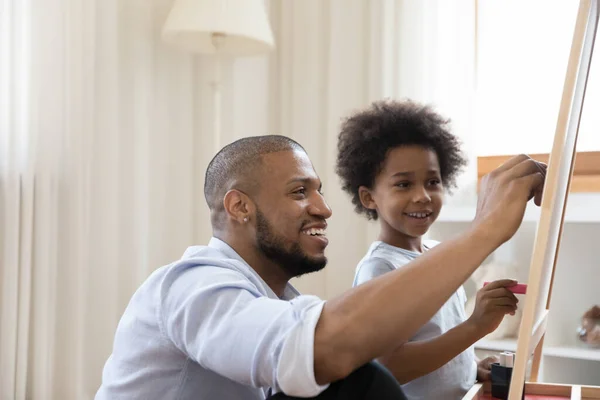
(292, 260)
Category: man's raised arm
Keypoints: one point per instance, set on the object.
(373, 318)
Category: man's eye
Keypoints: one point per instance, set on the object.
(403, 184)
(301, 191)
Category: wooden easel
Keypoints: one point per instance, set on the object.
(549, 230)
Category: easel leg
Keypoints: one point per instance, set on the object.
(535, 362)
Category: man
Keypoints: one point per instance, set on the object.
(224, 322)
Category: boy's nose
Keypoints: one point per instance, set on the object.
(422, 196)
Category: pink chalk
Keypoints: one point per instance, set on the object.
(519, 288)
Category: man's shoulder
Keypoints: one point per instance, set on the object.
(205, 265)
(202, 251)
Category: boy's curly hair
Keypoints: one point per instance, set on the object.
(367, 136)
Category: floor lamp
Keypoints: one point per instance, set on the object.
(222, 28)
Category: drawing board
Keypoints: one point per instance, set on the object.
(549, 229)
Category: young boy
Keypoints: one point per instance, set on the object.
(396, 160)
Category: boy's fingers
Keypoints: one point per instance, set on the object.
(502, 302)
(485, 375)
(488, 361)
(506, 309)
(499, 292)
(501, 283)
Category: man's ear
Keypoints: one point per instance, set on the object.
(238, 206)
(366, 198)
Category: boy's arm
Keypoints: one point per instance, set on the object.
(415, 359)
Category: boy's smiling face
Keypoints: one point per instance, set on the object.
(407, 194)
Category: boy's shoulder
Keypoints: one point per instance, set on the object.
(378, 247)
(381, 258)
(430, 243)
(382, 250)
(391, 255)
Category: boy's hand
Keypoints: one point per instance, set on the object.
(484, 368)
(493, 302)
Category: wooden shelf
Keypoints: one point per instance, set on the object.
(573, 352)
(497, 345)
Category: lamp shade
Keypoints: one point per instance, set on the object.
(244, 23)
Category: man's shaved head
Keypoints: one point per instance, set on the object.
(237, 166)
(265, 202)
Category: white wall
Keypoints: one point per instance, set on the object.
(523, 50)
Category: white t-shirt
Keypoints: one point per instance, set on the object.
(452, 380)
(208, 327)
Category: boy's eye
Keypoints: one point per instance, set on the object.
(435, 182)
(403, 184)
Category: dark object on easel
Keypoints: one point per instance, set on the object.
(500, 378)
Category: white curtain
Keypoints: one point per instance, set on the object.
(105, 133)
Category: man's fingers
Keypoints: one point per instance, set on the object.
(526, 167)
(543, 167)
(537, 197)
(535, 183)
(511, 162)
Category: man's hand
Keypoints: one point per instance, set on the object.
(484, 368)
(503, 196)
(493, 302)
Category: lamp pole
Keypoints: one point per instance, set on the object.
(217, 39)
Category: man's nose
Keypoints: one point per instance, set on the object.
(319, 207)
